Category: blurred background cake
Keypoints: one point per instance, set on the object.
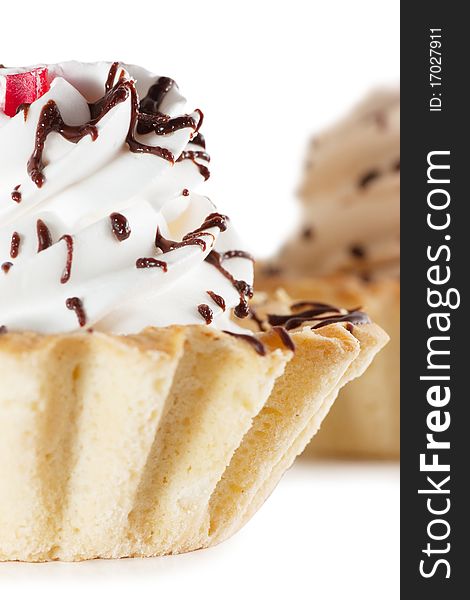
(346, 251)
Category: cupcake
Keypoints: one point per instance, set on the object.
(137, 417)
(347, 252)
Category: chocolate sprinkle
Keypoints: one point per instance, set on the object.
(257, 345)
(218, 300)
(380, 119)
(120, 226)
(76, 305)
(366, 179)
(206, 313)
(185, 192)
(44, 236)
(307, 233)
(357, 251)
(68, 265)
(16, 194)
(6, 266)
(15, 245)
(150, 263)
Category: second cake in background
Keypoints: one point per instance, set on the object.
(347, 252)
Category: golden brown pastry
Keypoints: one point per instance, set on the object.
(157, 443)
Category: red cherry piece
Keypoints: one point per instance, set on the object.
(24, 88)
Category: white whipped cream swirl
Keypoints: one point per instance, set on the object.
(84, 184)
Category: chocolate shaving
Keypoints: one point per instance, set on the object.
(150, 263)
(218, 300)
(44, 236)
(68, 265)
(206, 313)
(15, 245)
(357, 251)
(120, 226)
(307, 233)
(76, 305)
(16, 194)
(380, 119)
(366, 179)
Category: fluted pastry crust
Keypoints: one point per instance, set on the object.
(157, 443)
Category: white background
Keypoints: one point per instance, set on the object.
(267, 75)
